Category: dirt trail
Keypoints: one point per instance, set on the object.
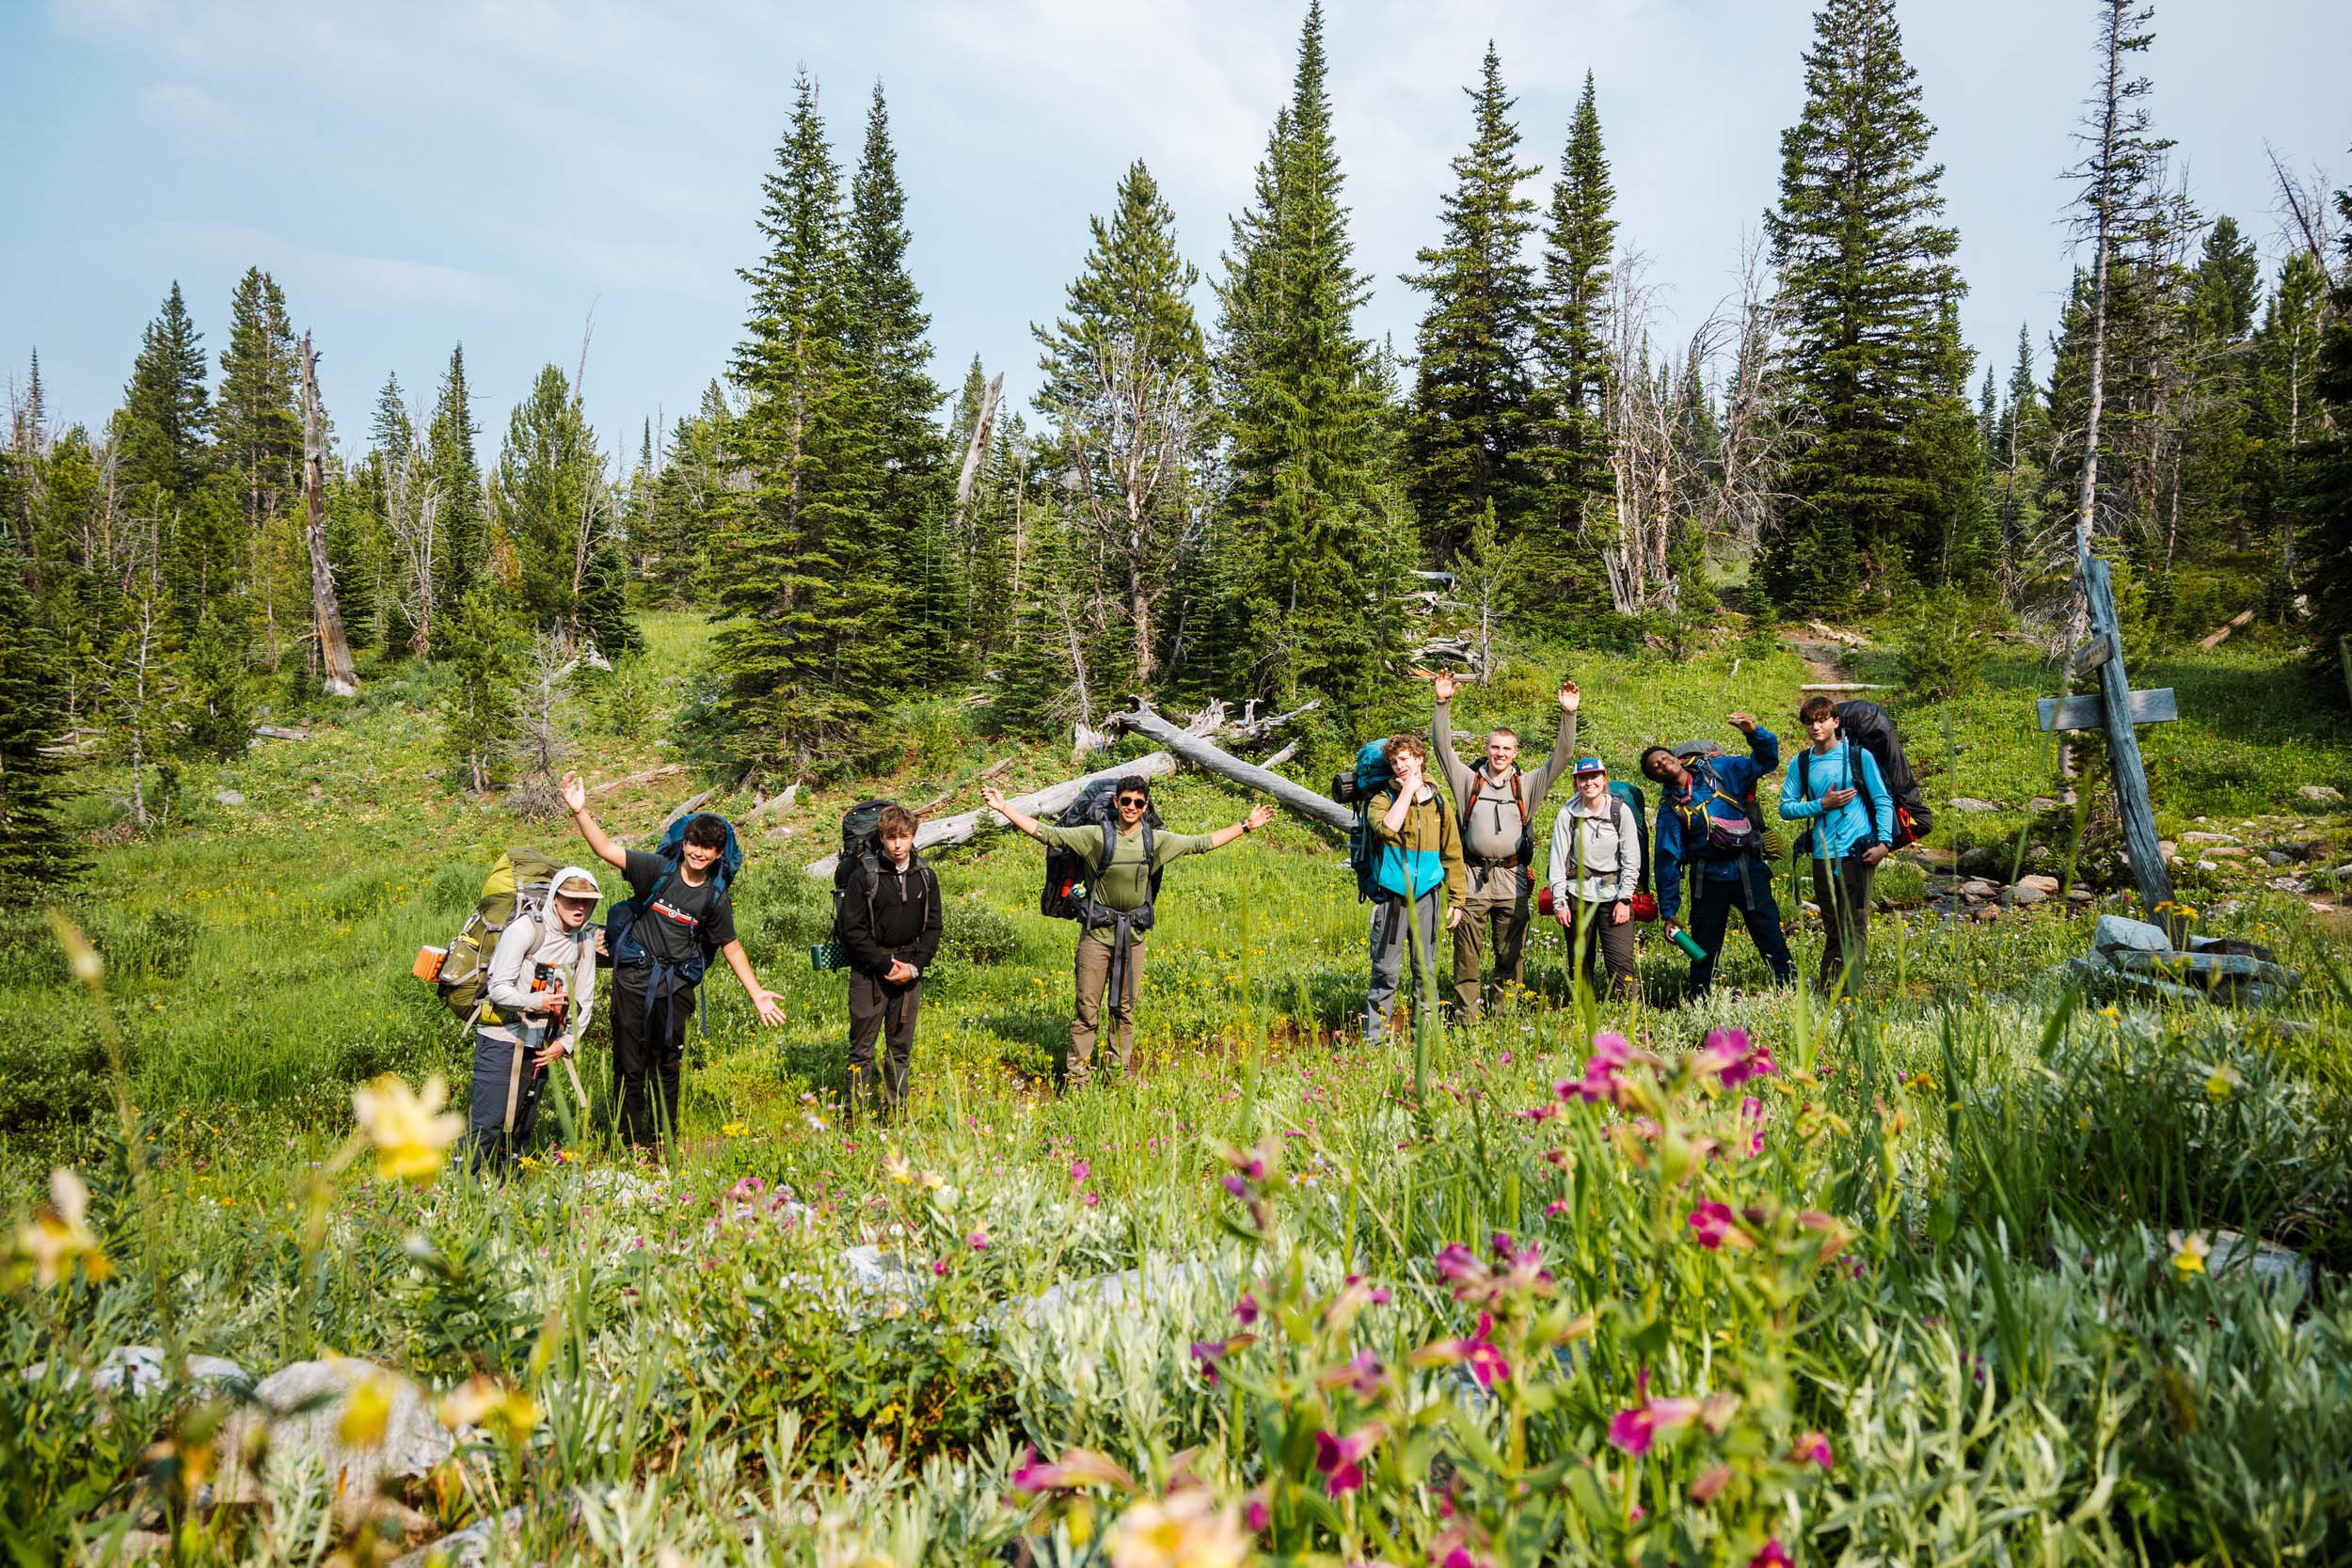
(1820, 658)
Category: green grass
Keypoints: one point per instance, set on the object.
(2003, 1359)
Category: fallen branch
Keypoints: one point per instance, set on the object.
(646, 777)
(2239, 621)
(685, 808)
(272, 732)
(774, 802)
(1201, 753)
(960, 829)
(1460, 648)
(1280, 758)
(1845, 686)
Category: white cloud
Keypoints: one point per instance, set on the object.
(308, 272)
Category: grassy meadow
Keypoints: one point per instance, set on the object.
(1944, 1276)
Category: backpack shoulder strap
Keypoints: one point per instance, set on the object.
(1805, 772)
(1519, 794)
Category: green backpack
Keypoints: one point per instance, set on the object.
(517, 888)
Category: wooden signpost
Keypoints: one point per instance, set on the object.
(2115, 707)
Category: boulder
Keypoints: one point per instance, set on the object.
(296, 1413)
(2325, 795)
(2024, 896)
(1971, 807)
(2040, 883)
(1931, 856)
(2040, 803)
(1985, 859)
(142, 1368)
(2201, 837)
(228, 797)
(1979, 887)
(2166, 850)
(2121, 933)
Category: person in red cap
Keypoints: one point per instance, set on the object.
(1596, 865)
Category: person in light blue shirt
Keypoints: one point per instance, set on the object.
(1835, 788)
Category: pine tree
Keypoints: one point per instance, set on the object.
(2020, 447)
(905, 535)
(1867, 285)
(1571, 348)
(461, 556)
(166, 408)
(1476, 411)
(257, 426)
(1301, 523)
(2324, 491)
(480, 709)
(550, 494)
(2287, 412)
(2229, 282)
(37, 849)
(800, 658)
(688, 496)
(1126, 386)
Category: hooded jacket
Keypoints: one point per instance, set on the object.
(532, 951)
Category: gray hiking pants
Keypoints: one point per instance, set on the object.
(1391, 934)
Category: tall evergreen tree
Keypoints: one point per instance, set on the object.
(911, 481)
(258, 427)
(1867, 284)
(167, 407)
(1476, 411)
(2229, 282)
(2325, 491)
(688, 496)
(1571, 347)
(1307, 595)
(461, 557)
(37, 850)
(548, 492)
(802, 658)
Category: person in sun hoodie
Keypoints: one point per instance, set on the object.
(535, 1006)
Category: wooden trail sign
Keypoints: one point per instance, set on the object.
(2115, 708)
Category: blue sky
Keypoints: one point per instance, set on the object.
(421, 172)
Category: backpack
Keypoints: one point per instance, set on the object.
(861, 841)
(1710, 836)
(516, 889)
(1873, 728)
(833, 952)
(1069, 892)
(621, 947)
(1640, 808)
(1355, 787)
(1518, 799)
(1768, 833)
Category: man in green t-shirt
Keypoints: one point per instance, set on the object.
(1118, 907)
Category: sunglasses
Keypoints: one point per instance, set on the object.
(1138, 801)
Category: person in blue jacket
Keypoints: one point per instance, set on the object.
(1706, 832)
(1838, 788)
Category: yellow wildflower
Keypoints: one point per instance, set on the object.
(409, 1131)
(2220, 1080)
(734, 1130)
(895, 1167)
(1186, 1529)
(367, 1410)
(2189, 1252)
(60, 1237)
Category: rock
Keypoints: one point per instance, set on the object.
(465, 1548)
(2265, 1260)
(142, 1368)
(2023, 895)
(2041, 882)
(2270, 857)
(1931, 856)
(2201, 837)
(2166, 850)
(2080, 895)
(2226, 851)
(1971, 805)
(2325, 795)
(2121, 933)
(2291, 884)
(414, 1439)
(1984, 859)
(872, 1269)
(228, 797)
(2040, 803)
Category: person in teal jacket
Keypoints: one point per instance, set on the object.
(1422, 880)
(1836, 788)
(1705, 831)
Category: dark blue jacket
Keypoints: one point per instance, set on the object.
(1720, 777)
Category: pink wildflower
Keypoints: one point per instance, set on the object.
(1079, 1171)
(1340, 1459)
(978, 1241)
(1257, 1511)
(1772, 1556)
(1733, 1059)
(1247, 1308)
(1633, 1431)
(1711, 1223)
(1813, 1448)
(1752, 1113)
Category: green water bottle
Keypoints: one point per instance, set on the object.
(1688, 942)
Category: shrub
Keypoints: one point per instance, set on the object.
(1941, 646)
(975, 934)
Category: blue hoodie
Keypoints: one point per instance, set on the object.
(1867, 818)
(1715, 777)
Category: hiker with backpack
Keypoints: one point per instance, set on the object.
(890, 927)
(1710, 831)
(1121, 860)
(1497, 805)
(1419, 870)
(680, 915)
(1839, 788)
(1596, 871)
(533, 1006)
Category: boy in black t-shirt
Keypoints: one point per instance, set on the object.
(691, 918)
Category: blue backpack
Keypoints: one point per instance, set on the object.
(621, 943)
(1357, 786)
(1631, 796)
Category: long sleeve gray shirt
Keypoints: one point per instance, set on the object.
(1490, 817)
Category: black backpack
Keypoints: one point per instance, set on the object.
(861, 840)
(1070, 881)
(1873, 728)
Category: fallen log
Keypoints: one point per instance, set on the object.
(1460, 648)
(2239, 621)
(1280, 758)
(960, 828)
(686, 807)
(646, 777)
(774, 802)
(1845, 686)
(273, 732)
(1202, 753)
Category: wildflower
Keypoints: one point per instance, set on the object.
(1362, 1373)
(1256, 1509)
(1733, 1059)
(747, 1189)
(56, 1241)
(1246, 1309)
(2189, 1253)
(1752, 1113)
(409, 1131)
(2220, 1080)
(1340, 1459)
(939, 1267)
(1633, 1431)
(1451, 1550)
(895, 1167)
(1772, 1556)
(1184, 1530)
(1612, 1054)
(1478, 1352)
(1094, 1201)
(931, 1181)
(978, 1241)
(1209, 1353)
(1079, 1171)
(1353, 1297)
(367, 1410)
(1713, 1223)
(1556, 1208)
(734, 1130)
(1813, 1448)
(1077, 1467)
(816, 1121)
(1709, 1485)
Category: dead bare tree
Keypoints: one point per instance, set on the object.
(338, 676)
(544, 743)
(411, 501)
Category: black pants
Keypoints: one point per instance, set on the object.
(648, 1053)
(1842, 889)
(879, 1008)
(1710, 918)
